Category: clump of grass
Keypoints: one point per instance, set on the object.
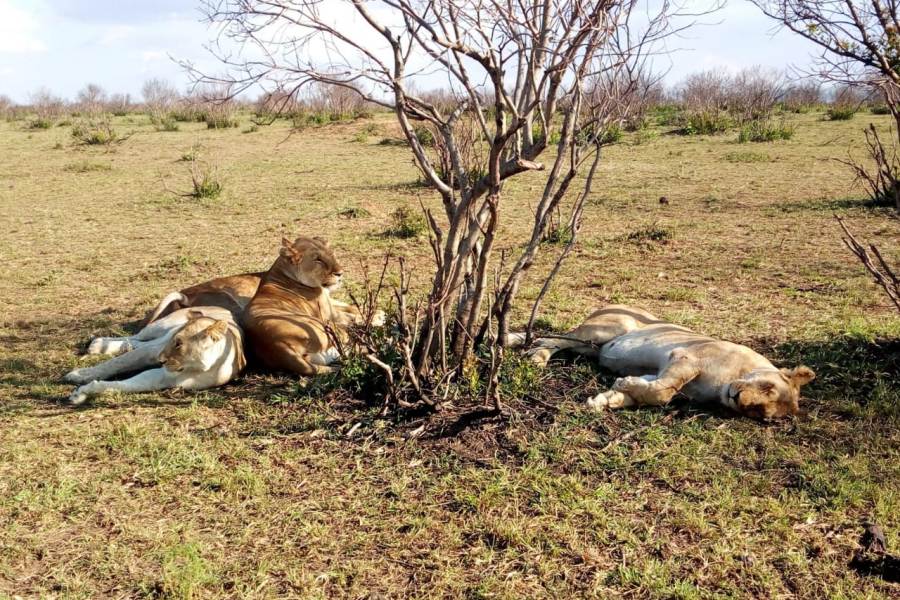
(167, 124)
(205, 181)
(391, 142)
(651, 233)
(87, 166)
(253, 128)
(760, 130)
(216, 121)
(880, 109)
(40, 123)
(644, 136)
(840, 113)
(406, 223)
(425, 136)
(558, 234)
(748, 157)
(353, 212)
(705, 123)
(97, 133)
(192, 154)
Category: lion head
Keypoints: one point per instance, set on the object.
(196, 346)
(311, 262)
(769, 394)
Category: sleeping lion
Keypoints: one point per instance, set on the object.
(660, 360)
(192, 348)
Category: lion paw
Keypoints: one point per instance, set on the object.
(76, 376)
(599, 402)
(629, 384)
(539, 356)
(77, 397)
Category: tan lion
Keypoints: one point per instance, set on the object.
(662, 359)
(192, 348)
(287, 321)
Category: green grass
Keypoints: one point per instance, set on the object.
(273, 487)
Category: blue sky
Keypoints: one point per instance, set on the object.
(64, 44)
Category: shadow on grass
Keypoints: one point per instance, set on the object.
(855, 376)
(837, 204)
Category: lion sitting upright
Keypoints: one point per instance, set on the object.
(287, 321)
(662, 359)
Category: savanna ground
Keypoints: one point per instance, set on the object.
(257, 490)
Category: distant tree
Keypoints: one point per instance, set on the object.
(754, 92)
(160, 98)
(46, 106)
(120, 104)
(91, 99)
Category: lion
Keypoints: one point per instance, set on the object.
(191, 348)
(233, 292)
(661, 359)
(288, 320)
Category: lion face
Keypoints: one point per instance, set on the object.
(196, 346)
(768, 394)
(311, 262)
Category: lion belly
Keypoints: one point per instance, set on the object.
(647, 351)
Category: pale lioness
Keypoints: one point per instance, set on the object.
(288, 319)
(662, 359)
(192, 348)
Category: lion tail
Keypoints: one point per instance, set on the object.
(165, 302)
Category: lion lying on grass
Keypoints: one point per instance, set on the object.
(192, 348)
(290, 320)
(661, 359)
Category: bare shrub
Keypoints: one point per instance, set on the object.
(120, 105)
(874, 262)
(6, 107)
(524, 75)
(754, 92)
(706, 91)
(339, 102)
(883, 181)
(160, 98)
(215, 101)
(803, 96)
(91, 100)
(46, 107)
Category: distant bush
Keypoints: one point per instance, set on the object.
(205, 181)
(765, 130)
(87, 166)
(406, 223)
(97, 132)
(220, 121)
(40, 123)
(802, 97)
(880, 109)
(708, 122)
(841, 113)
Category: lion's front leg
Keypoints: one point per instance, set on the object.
(346, 314)
(658, 391)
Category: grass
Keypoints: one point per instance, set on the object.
(257, 490)
(765, 131)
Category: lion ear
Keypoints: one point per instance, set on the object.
(799, 376)
(288, 250)
(217, 330)
(194, 314)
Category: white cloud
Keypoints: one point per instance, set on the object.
(115, 34)
(18, 30)
(152, 55)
